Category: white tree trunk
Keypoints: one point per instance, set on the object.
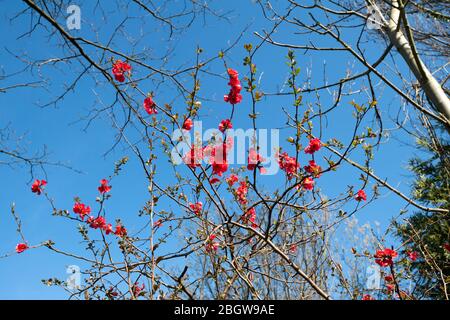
(427, 81)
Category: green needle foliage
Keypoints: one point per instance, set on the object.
(429, 233)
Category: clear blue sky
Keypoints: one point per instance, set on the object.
(61, 130)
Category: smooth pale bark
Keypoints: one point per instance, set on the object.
(427, 81)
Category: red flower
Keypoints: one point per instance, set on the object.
(37, 185)
(314, 145)
(81, 209)
(219, 168)
(384, 257)
(234, 96)
(361, 196)
(389, 278)
(196, 207)
(96, 223)
(368, 297)
(241, 192)
(254, 160)
(104, 188)
(212, 245)
(150, 106)
(187, 125)
(214, 180)
(233, 74)
(119, 69)
(108, 228)
(308, 184)
(157, 224)
(413, 255)
(288, 164)
(313, 169)
(21, 247)
(293, 248)
(121, 231)
(232, 179)
(225, 125)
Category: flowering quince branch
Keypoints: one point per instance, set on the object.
(385, 184)
(285, 257)
(221, 233)
(343, 157)
(233, 237)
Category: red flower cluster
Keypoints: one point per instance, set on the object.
(241, 192)
(21, 247)
(313, 146)
(119, 69)
(193, 158)
(121, 231)
(137, 289)
(111, 293)
(384, 257)
(288, 164)
(219, 168)
(234, 96)
(308, 183)
(97, 223)
(37, 185)
(81, 209)
(250, 217)
(196, 207)
(104, 187)
(232, 179)
(225, 125)
(150, 106)
(218, 159)
(187, 125)
(100, 223)
(313, 169)
(368, 297)
(361, 196)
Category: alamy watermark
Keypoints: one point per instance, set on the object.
(73, 282)
(373, 281)
(73, 21)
